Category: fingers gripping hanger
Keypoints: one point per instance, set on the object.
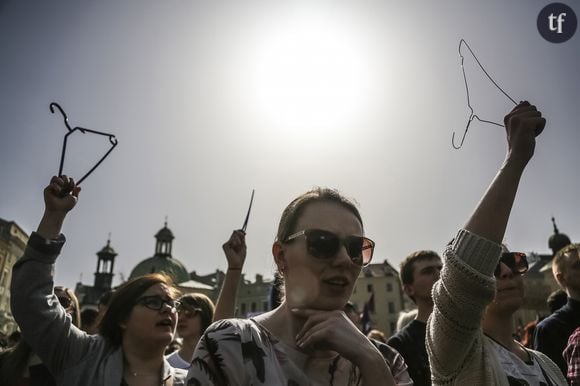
(112, 140)
(472, 114)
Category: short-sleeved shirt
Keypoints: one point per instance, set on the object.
(243, 352)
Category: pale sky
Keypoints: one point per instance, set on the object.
(211, 99)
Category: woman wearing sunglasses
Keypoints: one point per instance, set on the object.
(319, 251)
(195, 315)
(469, 334)
(139, 323)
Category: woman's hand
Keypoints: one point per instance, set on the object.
(523, 124)
(235, 250)
(60, 196)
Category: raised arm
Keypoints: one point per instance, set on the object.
(44, 323)
(489, 220)
(467, 285)
(235, 251)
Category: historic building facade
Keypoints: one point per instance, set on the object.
(13, 240)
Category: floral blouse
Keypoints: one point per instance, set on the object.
(243, 352)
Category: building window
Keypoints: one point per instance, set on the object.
(393, 327)
(253, 307)
(369, 288)
(389, 287)
(391, 307)
(243, 309)
(265, 306)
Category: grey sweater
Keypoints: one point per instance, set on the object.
(73, 356)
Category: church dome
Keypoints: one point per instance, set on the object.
(168, 265)
(162, 261)
(558, 240)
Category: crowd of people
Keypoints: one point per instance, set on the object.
(460, 334)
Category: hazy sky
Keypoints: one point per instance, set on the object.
(211, 99)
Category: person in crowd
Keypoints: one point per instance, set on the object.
(571, 355)
(469, 333)
(557, 300)
(377, 335)
(198, 311)
(89, 320)
(137, 326)
(319, 251)
(405, 317)
(353, 314)
(527, 335)
(553, 332)
(195, 316)
(20, 365)
(418, 272)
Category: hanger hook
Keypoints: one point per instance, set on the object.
(52, 105)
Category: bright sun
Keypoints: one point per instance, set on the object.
(307, 73)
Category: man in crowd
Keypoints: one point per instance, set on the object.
(553, 332)
(419, 271)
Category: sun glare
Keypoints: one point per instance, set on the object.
(307, 74)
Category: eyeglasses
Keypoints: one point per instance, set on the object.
(515, 261)
(187, 312)
(64, 301)
(156, 303)
(324, 244)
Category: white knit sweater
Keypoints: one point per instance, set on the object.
(459, 352)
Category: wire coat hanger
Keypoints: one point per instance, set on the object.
(112, 140)
(472, 114)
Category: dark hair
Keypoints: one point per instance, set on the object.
(408, 264)
(294, 210)
(124, 299)
(557, 300)
(197, 300)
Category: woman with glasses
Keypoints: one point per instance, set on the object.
(195, 316)
(198, 311)
(469, 334)
(319, 250)
(139, 322)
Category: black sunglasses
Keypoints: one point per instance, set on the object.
(325, 245)
(156, 303)
(516, 261)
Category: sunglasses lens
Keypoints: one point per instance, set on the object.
(367, 250)
(322, 244)
(515, 261)
(521, 263)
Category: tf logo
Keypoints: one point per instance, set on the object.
(557, 22)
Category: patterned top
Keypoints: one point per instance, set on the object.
(243, 352)
(572, 356)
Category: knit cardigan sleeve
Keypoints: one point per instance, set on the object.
(454, 339)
